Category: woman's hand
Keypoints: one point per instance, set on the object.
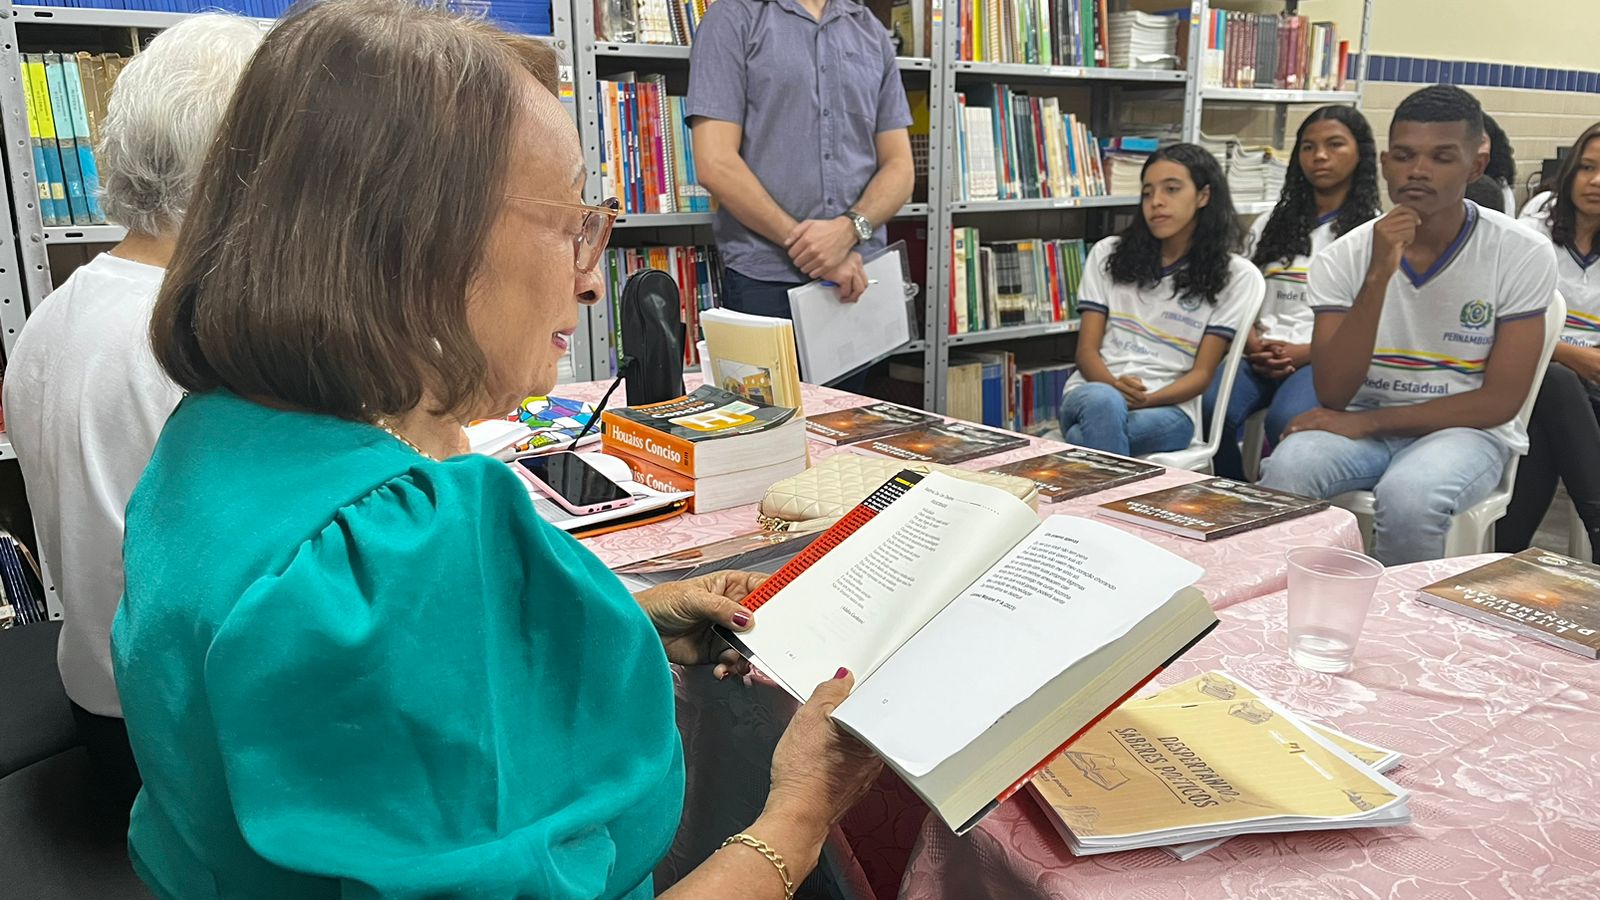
(685, 611)
(818, 771)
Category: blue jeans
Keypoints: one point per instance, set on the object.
(771, 298)
(1283, 400)
(1418, 483)
(1094, 415)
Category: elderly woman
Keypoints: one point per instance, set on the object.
(84, 398)
(354, 662)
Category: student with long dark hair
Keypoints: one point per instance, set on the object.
(1564, 433)
(1331, 187)
(1502, 166)
(1160, 304)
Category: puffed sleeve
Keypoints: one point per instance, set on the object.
(440, 695)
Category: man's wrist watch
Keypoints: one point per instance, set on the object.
(862, 225)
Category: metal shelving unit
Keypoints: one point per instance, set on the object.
(1199, 94)
(84, 234)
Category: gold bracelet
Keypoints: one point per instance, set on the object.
(763, 848)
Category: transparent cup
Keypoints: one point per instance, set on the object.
(1330, 591)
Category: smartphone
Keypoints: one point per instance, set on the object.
(573, 484)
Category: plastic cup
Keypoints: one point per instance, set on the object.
(1330, 591)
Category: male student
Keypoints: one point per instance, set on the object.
(1429, 327)
(799, 127)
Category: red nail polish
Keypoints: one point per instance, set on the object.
(741, 619)
(841, 673)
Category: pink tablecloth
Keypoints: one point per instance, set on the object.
(1501, 736)
(729, 730)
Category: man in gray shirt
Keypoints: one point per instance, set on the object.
(799, 129)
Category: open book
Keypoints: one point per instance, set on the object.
(982, 639)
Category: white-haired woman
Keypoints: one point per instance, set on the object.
(84, 398)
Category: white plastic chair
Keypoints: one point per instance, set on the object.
(1255, 443)
(1198, 455)
(1471, 529)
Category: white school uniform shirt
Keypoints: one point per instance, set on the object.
(1578, 279)
(1285, 311)
(1438, 326)
(1152, 334)
(85, 402)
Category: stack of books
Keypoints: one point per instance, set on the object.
(670, 22)
(726, 449)
(1034, 32)
(1193, 765)
(66, 95)
(1257, 50)
(1012, 146)
(1254, 173)
(1141, 40)
(1029, 282)
(697, 271)
(646, 159)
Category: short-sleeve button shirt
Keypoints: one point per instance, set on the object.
(811, 97)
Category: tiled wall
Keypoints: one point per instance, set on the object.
(1480, 74)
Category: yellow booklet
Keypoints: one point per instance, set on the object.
(752, 356)
(1187, 765)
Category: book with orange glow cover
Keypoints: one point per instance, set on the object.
(1074, 472)
(949, 443)
(1211, 508)
(1537, 593)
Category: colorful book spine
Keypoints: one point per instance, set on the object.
(77, 204)
(58, 211)
(72, 78)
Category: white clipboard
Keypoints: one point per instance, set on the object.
(836, 338)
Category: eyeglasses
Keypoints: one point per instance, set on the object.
(594, 232)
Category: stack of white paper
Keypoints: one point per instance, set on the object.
(1140, 40)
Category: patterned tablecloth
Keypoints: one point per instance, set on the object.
(1501, 736)
(729, 730)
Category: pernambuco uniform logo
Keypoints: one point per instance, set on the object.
(1476, 313)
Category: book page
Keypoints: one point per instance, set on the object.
(858, 603)
(1065, 591)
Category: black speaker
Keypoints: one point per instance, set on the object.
(652, 338)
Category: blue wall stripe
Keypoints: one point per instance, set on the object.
(1467, 73)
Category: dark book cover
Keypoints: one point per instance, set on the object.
(1537, 593)
(951, 442)
(1073, 473)
(1211, 508)
(865, 423)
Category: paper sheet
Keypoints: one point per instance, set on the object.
(836, 338)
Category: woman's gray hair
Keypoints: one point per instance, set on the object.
(164, 112)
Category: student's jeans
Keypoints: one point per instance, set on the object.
(1095, 415)
(1418, 483)
(771, 298)
(1563, 445)
(1283, 399)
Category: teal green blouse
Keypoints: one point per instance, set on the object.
(349, 671)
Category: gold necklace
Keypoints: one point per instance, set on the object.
(407, 441)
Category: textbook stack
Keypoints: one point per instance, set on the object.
(670, 22)
(1029, 282)
(66, 98)
(1012, 146)
(1141, 40)
(696, 270)
(1256, 50)
(1254, 174)
(646, 160)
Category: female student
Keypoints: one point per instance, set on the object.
(1564, 434)
(1160, 304)
(1331, 187)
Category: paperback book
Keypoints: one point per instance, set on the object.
(865, 423)
(1073, 473)
(948, 443)
(1211, 508)
(1536, 593)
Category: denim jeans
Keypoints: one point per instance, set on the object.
(771, 299)
(1094, 415)
(1418, 483)
(1282, 399)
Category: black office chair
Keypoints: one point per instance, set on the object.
(59, 840)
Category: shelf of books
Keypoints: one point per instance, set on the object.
(1046, 73)
(1272, 95)
(1034, 204)
(670, 52)
(1014, 332)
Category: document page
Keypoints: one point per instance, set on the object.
(863, 599)
(1065, 591)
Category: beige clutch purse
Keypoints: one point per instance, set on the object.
(822, 494)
